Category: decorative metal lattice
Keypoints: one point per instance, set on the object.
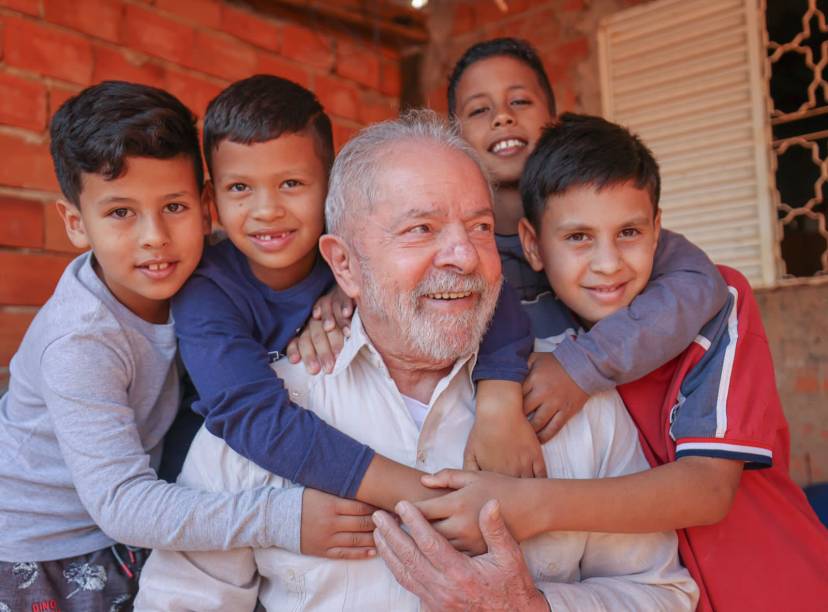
(799, 121)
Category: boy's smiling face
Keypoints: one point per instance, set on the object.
(502, 109)
(146, 228)
(597, 247)
(270, 200)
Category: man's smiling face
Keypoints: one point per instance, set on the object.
(429, 267)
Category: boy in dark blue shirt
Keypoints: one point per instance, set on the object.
(268, 149)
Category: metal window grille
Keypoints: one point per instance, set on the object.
(796, 37)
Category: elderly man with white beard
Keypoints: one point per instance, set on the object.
(411, 240)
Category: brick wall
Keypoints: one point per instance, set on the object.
(50, 49)
(562, 31)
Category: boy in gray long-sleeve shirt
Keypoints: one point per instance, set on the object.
(94, 386)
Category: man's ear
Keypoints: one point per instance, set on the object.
(342, 262)
(208, 203)
(73, 223)
(529, 242)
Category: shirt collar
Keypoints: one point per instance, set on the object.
(358, 343)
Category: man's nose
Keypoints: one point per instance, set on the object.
(457, 252)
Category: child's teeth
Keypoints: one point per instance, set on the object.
(158, 266)
(506, 144)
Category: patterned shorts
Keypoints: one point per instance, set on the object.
(105, 580)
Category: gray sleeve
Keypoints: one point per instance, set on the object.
(685, 291)
(85, 383)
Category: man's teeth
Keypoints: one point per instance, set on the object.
(507, 144)
(158, 266)
(449, 296)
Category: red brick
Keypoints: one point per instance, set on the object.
(13, 325)
(338, 97)
(158, 36)
(250, 27)
(806, 383)
(101, 18)
(307, 47)
(47, 51)
(203, 12)
(373, 109)
(21, 222)
(271, 64)
(223, 56)
(22, 102)
(436, 100)
(390, 80)
(28, 279)
(359, 64)
(463, 19)
(55, 232)
(57, 96)
(342, 134)
(32, 7)
(195, 92)
(125, 65)
(25, 164)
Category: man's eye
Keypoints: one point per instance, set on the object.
(120, 213)
(629, 232)
(419, 229)
(484, 227)
(238, 187)
(175, 207)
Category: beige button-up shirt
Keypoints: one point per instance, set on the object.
(576, 571)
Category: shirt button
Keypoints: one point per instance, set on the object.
(421, 456)
(294, 394)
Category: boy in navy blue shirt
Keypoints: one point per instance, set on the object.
(268, 148)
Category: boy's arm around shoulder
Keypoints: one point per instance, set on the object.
(174, 581)
(685, 291)
(86, 377)
(248, 406)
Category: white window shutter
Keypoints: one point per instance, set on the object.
(687, 77)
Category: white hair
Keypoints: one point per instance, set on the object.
(352, 188)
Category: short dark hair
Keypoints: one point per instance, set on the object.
(583, 150)
(500, 47)
(96, 130)
(264, 107)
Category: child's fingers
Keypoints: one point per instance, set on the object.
(342, 312)
(308, 353)
(539, 466)
(324, 351)
(542, 415)
(437, 508)
(554, 425)
(352, 553)
(448, 479)
(336, 338)
(352, 507)
(352, 539)
(353, 523)
(293, 351)
(326, 315)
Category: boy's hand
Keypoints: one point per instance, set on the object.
(336, 528)
(551, 395)
(455, 515)
(322, 338)
(502, 440)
